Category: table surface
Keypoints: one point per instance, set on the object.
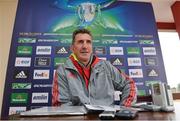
(175, 115)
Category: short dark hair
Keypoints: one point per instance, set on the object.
(81, 31)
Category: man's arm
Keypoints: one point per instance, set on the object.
(60, 89)
(55, 91)
(129, 92)
(125, 84)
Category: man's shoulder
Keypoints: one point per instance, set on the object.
(66, 64)
(103, 62)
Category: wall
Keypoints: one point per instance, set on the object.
(176, 7)
(7, 16)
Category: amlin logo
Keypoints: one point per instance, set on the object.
(149, 50)
(41, 74)
(43, 50)
(39, 97)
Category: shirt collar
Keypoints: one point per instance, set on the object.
(89, 63)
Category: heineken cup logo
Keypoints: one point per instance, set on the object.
(86, 11)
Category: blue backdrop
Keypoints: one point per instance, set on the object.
(125, 33)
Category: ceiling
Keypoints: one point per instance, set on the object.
(162, 9)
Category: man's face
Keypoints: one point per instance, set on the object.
(82, 47)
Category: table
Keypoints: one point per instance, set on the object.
(141, 116)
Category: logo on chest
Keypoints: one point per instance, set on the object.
(72, 76)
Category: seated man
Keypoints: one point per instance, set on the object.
(86, 79)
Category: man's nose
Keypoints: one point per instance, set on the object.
(85, 45)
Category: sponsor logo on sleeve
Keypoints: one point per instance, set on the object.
(40, 97)
(41, 74)
(19, 97)
(42, 61)
(23, 62)
(134, 61)
(116, 51)
(135, 73)
(16, 110)
(43, 50)
(149, 50)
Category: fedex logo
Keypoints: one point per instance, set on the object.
(41, 74)
(135, 73)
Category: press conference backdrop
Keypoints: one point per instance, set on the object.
(125, 34)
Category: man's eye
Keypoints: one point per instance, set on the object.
(89, 42)
(81, 41)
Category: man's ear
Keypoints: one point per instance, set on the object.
(72, 48)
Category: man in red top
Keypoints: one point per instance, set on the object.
(85, 79)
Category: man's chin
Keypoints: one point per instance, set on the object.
(85, 55)
(85, 58)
